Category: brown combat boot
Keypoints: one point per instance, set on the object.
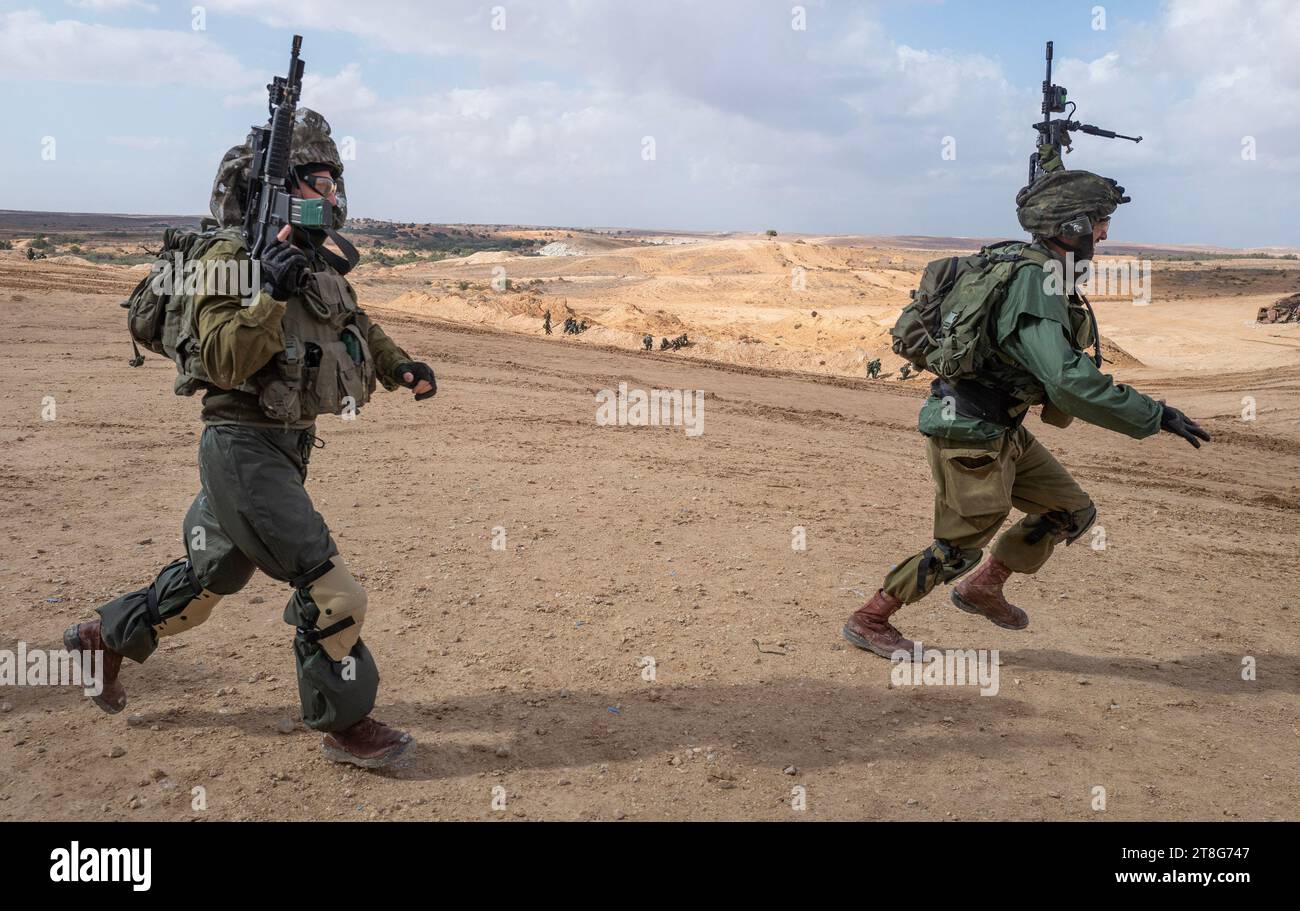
(85, 637)
(869, 627)
(368, 743)
(981, 593)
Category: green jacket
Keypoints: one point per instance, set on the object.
(238, 344)
(1042, 338)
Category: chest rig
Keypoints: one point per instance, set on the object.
(326, 366)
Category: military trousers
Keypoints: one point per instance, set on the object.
(252, 513)
(976, 487)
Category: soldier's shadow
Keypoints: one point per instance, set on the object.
(1215, 673)
(803, 722)
(808, 724)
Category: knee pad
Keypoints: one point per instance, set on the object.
(943, 562)
(177, 601)
(1062, 526)
(1080, 521)
(342, 604)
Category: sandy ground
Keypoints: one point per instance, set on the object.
(521, 669)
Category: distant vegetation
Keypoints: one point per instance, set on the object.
(1197, 258)
(438, 243)
(118, 259)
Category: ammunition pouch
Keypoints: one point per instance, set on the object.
(281, 395)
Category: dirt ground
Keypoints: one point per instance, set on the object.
(521, 669)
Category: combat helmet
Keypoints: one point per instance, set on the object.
(311, 145)
(1067, 203)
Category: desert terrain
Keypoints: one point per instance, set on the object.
(523, 669)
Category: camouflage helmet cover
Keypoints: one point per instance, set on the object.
(311, 144)
(1066, 203)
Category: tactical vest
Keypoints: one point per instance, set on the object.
(326, 366)
(1011, 389)
(950, 329)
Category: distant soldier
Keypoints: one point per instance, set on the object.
(546, 322)
(31, 254)
(664, 344)
(873, 368)
(582, 327)
(905, 372)
(648, 342)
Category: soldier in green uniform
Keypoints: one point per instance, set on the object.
(304, 348)
(983, 459)
(873, 368)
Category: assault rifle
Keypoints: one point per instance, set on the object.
(270, 204)
(1054, 135)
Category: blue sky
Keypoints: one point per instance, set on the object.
(836, 128)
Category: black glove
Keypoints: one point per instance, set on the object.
(283, 269)
(1174, 421)
(419, 371)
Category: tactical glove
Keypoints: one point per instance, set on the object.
(419, 371)
(1174, 421)
(283, 269)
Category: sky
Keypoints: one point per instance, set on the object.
(822, 117)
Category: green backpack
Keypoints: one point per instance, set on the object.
(947, 328)
(159, 312)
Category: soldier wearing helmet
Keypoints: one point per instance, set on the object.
(302, 350)
(983, 460)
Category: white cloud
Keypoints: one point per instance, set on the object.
(111, 5)
(838, 128)
(35, 48)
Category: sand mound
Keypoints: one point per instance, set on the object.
(1117, 355)
(631, 318)
(827, 332)
(503, 310)
(485, 256)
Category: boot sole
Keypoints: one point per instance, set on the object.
(72, 642)
(972, 609)
(866, 644)
(374, 762)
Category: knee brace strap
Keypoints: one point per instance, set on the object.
(192, 611)
(949, 561)
(1083, 520)
(1063, 526)
(342, 604)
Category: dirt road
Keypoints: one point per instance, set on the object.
(522, 668)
